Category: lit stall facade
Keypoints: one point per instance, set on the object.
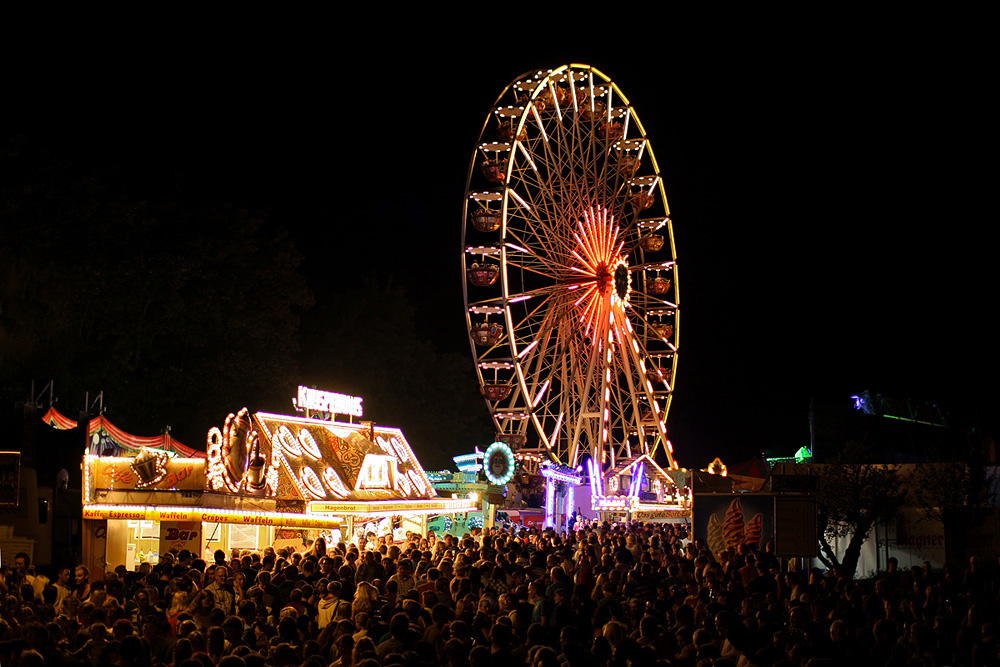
(121, 472)
(639, 489)
(505, 477)
(560, 494)
(267, 480)
(464, 483)
(351, 476)
(138, 506)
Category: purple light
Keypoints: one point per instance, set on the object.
(550, 504)
(595, 478)
(637, 473)
(560, 476)
(570, 502)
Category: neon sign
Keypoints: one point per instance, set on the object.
(328, 401)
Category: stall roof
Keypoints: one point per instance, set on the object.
(102, 436)
(315, 460)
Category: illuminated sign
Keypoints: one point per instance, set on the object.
(499, 463)
(119, 474)
(437, 505)
(660, 513)
(717, 467)
(327, 460)
(197, 514)
(314, 519)
(469, 462)
(180, 535)
(328, 401)
(314, 459)
(612, 503)
(377, 472)
(560, 475)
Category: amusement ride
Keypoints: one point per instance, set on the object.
(571, 287)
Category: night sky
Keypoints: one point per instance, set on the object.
(827, 192)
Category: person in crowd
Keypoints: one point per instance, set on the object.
(82, 591)
(222, 591)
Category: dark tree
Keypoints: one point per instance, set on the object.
(857, 492)
(180, 309)
(960, 490)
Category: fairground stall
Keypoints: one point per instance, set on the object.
(267, 479)
(123, 473)
(513, 489)
(638, 488)
(465, 482)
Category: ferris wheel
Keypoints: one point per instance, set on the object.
(571, 282)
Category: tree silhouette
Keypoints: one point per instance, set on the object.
(857, 492)
(176, 307)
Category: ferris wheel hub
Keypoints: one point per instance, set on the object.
(603, 278)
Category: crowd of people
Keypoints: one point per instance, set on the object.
(605, 596)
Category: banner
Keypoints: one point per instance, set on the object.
(180, 535)
(199, 515)
(118, 474)
(437, 505)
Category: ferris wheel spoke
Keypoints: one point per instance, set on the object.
(636, 390)
(543, 189)
(537, 364)
(585, 385)
(523, 259)
(644, 358)
(530, 324)
(561, 159)
(538, 244)
(653, 266)
(524, 249)
(655, 303)
(517, 297)
(639, 391)
(532, 213)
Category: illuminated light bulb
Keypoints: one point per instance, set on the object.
(334, 483)
(419, 483)
(309, 444)
(289, 443)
